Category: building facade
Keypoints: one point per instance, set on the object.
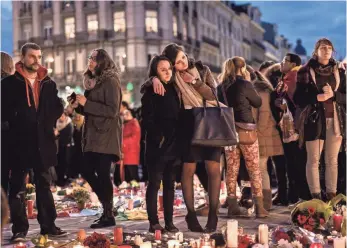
(132, 32)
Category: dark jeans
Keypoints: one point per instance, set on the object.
(131, 172)
(296, 167)
(281, 174)
(161, 170)
(63, 164)
(44, 200)
(96, 171)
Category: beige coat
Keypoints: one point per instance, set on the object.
(270, 143)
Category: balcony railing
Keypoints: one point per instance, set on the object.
(25, 12)
(154, 35)
(68, 6)
(90, 5)
(210, 41)
(247, 41)
(259, 44)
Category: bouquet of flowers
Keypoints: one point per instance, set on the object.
(285, 237)
(311, 215)
(97, 240)
(245, 241)
(338, 203)
(81, 195)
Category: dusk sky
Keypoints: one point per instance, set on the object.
(307, 20)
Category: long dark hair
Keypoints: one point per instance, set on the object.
(104, 62)
(153, 65)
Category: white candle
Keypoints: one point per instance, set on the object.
(232, 234)
(263, 234)
(146, 245)
(173, 243)
(340, 242)
(75, 246)
(179, 237)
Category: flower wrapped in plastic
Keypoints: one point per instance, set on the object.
(311, 215)
(338, 203)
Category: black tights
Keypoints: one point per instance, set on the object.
(97, 173)
(214, 181)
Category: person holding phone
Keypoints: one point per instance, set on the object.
(102, 131)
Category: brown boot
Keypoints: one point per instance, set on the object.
(330, 196)
(267, 194)
(259, 208)
(234, 208)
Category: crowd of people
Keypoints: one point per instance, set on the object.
(285, 115)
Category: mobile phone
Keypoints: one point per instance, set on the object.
(72, 98)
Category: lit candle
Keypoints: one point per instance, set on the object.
(173, 243)
(30, 204)
(263, 234)
(138, 240)
(20, 245)
(157, 235)
(118, 235)
(232, 234)
(340, 242)
(337, 219)
(179, 237)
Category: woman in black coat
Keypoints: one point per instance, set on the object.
(321, 94)
(160, 120)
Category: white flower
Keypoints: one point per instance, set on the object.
(284, 244)
(296, 244)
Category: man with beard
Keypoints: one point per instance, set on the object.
(31, 107)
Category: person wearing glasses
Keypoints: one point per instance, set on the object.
(101, 142)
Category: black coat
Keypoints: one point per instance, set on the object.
(242, 96)
(306, 95)
(30, 131)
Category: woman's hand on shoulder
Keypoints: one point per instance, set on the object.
(158, 87)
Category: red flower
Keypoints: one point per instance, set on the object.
(321, 221)
(311, 210)
(308, 227)
(302, 219)
(281, 235)
(311, 222)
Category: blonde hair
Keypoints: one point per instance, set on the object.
(230, 68)
(7, 65)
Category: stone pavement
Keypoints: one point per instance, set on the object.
(279, 216)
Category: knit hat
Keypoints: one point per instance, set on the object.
(171, 51)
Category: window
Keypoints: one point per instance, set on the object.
(27, 31)
(184, 30)
(93, 23)
(151, 21)
(119, 21)
(174, 25)
(70, 28)
(48, 29)
(193, 32)
(47, 4)
(151, 52)
(49, 64)
(121, 58)
(70, 65)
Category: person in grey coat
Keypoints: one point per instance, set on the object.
(101, 142)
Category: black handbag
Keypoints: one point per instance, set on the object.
(213, 126)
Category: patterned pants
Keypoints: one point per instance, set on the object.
(251, 156)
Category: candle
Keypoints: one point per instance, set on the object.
(263, 234)
(20, 245)
(337, 220)
(316, 245)
(138, 240)
(179, 237)
(30, 204)
(161, 203)
(232, 234)
(81, 235)
(130, 204)
(157, 235)
(173, 243)
(340, 242)
(118, 235)
(75, 246)
(146, 245)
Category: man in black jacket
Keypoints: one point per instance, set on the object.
(31, 107)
